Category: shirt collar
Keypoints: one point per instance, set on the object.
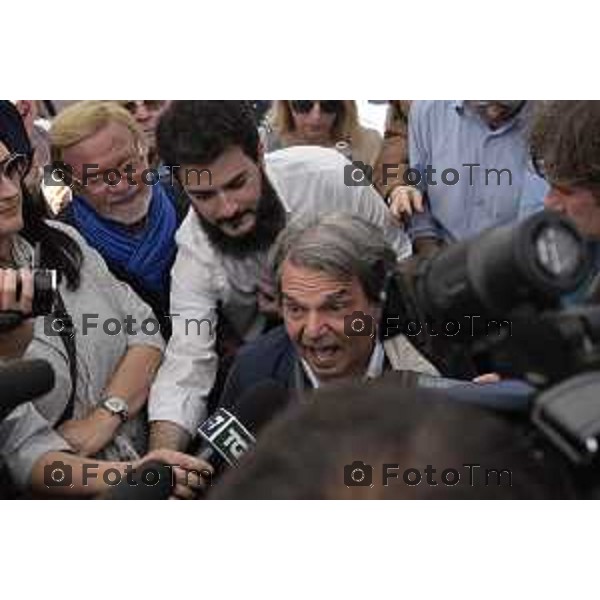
(460, 108)
(374, 368)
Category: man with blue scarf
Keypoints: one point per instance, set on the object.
(119, 205)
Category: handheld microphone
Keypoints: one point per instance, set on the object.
(228, 436)
(151, 481)
(22, 381)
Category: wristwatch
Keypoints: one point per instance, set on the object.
(116, 406)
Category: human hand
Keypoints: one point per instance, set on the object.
(191, 475)
(404, 200)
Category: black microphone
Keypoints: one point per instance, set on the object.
(22, 381)
(150, 481)
(229, 436)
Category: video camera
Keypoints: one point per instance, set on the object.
(45, 290)
(519, 275)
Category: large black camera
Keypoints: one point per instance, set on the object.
(521, 274)
(45, 291)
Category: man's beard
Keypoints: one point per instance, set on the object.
(270, 219)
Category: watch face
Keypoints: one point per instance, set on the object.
(116, 406)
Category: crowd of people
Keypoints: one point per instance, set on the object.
(203, 248)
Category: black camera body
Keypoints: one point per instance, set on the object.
(521, 273)
(45, 293)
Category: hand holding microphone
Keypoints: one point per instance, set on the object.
(229, 434)
(227, 437)
(163, 474)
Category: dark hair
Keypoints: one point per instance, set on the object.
(57, 249)
(303, 454)
(565, 141)
(338, 244)
(199, 131)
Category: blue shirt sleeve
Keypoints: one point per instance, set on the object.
(420, 224)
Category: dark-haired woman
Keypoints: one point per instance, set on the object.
(105, 365)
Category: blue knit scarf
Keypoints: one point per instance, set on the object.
(147, 255)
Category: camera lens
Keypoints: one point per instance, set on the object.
(558, 251)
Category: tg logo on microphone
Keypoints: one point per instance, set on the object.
(227, 435)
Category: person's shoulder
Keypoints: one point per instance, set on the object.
(425, 110)
(69, 230)
(366, 145)
(305, 158)
(273, 343)
(187, 229)
(269, 357)
(270, 137)
(369, 134)
(192, 237)
(66, 214)
(301, 171)
(199, 265)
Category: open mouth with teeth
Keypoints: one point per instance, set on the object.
(322, 356)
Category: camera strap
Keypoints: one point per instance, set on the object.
(67, 335)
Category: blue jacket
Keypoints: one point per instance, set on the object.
(271, 356)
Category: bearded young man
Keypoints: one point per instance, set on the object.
(240, 200)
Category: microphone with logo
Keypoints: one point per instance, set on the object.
(228, 436)
(22, 381)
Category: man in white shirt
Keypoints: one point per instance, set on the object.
(241, 200)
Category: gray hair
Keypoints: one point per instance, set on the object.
(338, 244)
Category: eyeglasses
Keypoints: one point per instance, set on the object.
(132, 106)
(15, 167)
(327, 106)
(100, 181)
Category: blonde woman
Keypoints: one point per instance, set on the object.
(321, 123)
